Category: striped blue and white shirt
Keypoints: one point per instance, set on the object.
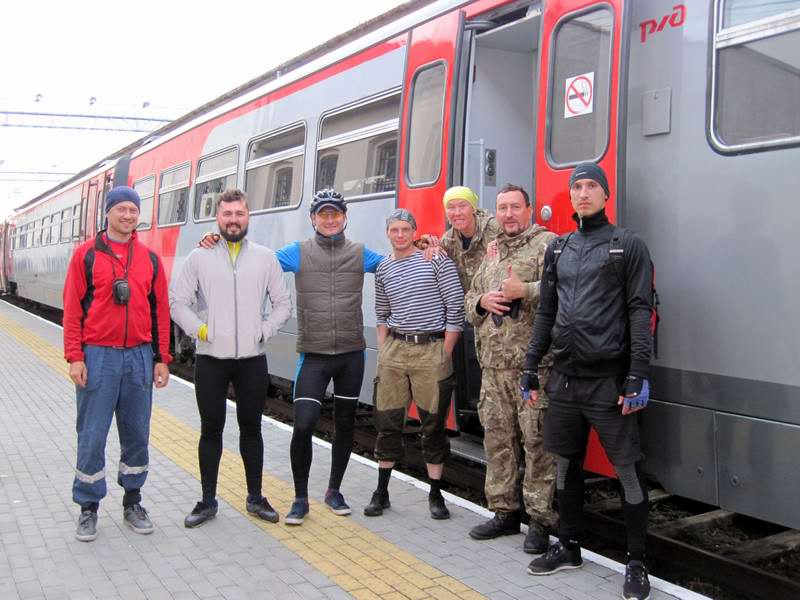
(414, 295)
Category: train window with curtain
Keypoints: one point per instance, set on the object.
(147, 189)
(215, 174)
(425, 128)
(173, 195)
(274, 169)
(357, 149)
(756, 75)
(580, 73)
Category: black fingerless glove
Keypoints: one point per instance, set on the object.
(529, 381)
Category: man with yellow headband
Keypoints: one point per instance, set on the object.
(472, 230)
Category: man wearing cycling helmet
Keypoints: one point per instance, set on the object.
(329, 279)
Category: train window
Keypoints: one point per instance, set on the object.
(357, 150)
(66, 225)
(215, 174)
(173, 195)
(578, 129)
(147, 189)
(755, 75)
(76, 222)
(55, 227)
(45, 231)
(425, 125)
(274, 170)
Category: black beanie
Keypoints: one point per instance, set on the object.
(591, 171)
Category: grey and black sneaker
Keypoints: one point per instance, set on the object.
(136, 518)
(637, 585)
(87, 526)
(297, 513)
(263, 510)
(335, 501)
(557, 558)
(201, 513)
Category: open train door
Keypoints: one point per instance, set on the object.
(579, 107)
(424, 168)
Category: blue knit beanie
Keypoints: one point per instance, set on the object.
(122, 193)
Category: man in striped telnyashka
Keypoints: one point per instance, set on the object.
(420, 314)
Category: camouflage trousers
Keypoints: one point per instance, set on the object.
(511, 427)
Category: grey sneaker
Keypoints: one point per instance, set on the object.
(87, 526)
(136, 518)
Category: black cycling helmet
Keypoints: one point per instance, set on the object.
(327, 197)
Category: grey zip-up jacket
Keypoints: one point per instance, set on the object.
(231, 298)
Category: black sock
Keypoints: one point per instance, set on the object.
(569, 543)
(383, 479)
(92, 506)
(436, 488)
(635, 556)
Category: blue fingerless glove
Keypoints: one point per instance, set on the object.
(527, 382)
(636, 392)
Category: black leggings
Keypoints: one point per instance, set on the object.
(314, 373)
(250, 380)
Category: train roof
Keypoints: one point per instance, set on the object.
(359, 37)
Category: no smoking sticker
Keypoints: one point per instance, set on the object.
(579, 95)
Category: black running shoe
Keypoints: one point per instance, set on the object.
(263, 510)
(637, 585)
(201, 513)
(557, 558)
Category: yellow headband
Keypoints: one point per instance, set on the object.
(460, 192)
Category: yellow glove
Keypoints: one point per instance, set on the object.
(202, 333)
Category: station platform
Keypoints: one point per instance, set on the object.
(401, 555)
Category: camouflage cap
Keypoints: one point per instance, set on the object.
(401, 214)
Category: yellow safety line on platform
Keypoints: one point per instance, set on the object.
(358, 560)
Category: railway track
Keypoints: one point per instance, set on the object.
(714, 552)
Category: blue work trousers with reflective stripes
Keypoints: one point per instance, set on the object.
(119, 382)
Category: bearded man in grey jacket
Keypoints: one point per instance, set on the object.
(220, 298)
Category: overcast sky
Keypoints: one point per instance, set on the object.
(176, 55)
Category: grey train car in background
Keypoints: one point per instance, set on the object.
(691, 108)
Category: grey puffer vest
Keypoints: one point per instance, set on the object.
(329, 294)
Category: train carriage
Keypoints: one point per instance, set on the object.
(691, 108)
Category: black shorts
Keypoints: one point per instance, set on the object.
(315, 372)
(576, 403)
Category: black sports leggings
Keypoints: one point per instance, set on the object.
(250, 380)
(314, 373)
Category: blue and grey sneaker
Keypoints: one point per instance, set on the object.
(335, 501)
(297, 513)
(87, 526)
(136, 518)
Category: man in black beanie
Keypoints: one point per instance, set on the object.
(595, 305)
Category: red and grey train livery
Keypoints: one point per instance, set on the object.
(690, 107)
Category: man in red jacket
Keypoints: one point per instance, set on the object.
(116, 340)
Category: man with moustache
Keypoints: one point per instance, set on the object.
(419, 306)
(329, 278)
(501, 306)
(594, 317)
(220, 297)
(116, 340)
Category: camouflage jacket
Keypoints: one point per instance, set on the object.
(467, 261)
(504, 347)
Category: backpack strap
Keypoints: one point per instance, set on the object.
(616, 252)
(558, 247)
